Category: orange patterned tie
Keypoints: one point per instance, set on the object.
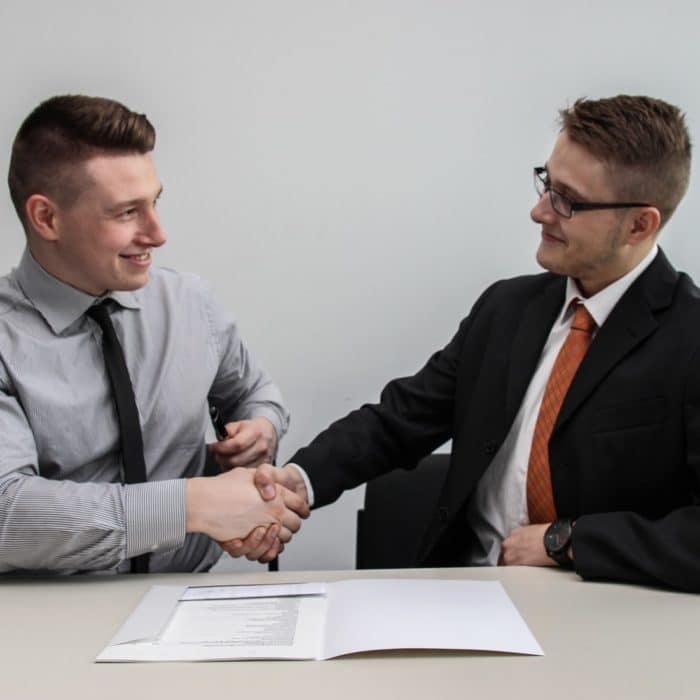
(540, 502)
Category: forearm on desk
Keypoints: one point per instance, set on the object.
(57, 525)
(627, 547)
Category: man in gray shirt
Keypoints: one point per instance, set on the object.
(85, 188)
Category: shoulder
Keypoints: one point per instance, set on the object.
(517, 291)
(165, 279)
(687, 291)
(667, 289)
(166, 285)
(187, 297)
(12, 300)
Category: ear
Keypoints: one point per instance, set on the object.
(42, 214)
(646, 222)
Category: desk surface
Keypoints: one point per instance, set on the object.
(600, 641)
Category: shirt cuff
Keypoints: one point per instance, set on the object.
(307, 482)
(155, 516)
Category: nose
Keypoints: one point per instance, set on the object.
(152, 231)
(542, 212)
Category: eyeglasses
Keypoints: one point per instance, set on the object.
(563, 206)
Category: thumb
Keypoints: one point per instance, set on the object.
(264, 481)
(233, 428)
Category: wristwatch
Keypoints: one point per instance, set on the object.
(557, 540)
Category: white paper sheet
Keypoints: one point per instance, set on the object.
(372, 614)
(299, 622)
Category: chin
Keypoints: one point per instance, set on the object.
(551, 263)
(130, 285)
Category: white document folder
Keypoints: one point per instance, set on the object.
(319, 620)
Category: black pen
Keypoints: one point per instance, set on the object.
(218, 422)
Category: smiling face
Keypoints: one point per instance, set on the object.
(103, 240)
(594, 247)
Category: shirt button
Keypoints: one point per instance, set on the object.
(490, 447)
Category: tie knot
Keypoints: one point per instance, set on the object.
(583, 321)
(98, 312)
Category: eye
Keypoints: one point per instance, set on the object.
(127, 213)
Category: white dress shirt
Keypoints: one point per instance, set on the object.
(499, 504)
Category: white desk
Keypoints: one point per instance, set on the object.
(600, 641)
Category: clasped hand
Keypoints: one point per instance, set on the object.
(235, 504)
(264, 543)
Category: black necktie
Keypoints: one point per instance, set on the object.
(130, 439)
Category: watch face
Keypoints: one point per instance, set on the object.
(558, 536)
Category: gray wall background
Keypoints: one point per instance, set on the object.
(348, 175)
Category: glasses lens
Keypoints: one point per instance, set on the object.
(560, 204)
(540, 186)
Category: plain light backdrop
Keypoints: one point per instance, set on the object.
(348, 175)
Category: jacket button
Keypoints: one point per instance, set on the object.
(442, 514)
(490, 447)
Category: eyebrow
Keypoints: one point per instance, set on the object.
(568, 190)
(132, 202)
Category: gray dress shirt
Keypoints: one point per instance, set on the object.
(62, 505)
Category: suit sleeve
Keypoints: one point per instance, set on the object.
(414, 416)
(625, 546)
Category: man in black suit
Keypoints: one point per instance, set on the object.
(612, 489)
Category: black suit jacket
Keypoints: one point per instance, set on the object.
(625, 450)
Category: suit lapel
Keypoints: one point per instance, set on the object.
(535, 325)
(630, 322)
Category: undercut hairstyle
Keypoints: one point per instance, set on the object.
(644, 142)
(60, 135)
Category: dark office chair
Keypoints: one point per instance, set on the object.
(398, 508)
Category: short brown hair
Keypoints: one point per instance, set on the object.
(61, 133)
(644, 141)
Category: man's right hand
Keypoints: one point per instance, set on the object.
(262, 544)
(230, 506)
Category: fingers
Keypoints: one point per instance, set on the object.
(239, 439)
(291, 478)
(238, 547)
(264, 480)
(272, 553)
(285, 534)
(259, 453)
(262, 544)
(249, 443)
(296, 503)
(290, 520)
(268, 547)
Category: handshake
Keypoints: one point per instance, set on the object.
(250, 512)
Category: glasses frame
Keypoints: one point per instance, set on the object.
(540, 184)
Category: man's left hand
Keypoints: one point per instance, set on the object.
(525, 547)
(249, 443)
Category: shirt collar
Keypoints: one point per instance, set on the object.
(58, 302)
(600, 305)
